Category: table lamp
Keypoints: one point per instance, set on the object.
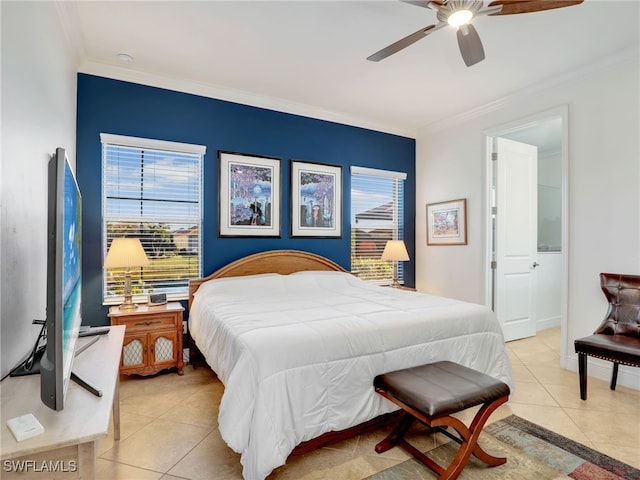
(126, 253)
(395, 251)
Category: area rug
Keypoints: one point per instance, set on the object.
(533, 453)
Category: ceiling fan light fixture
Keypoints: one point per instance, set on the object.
(459, 13)
(460, 17)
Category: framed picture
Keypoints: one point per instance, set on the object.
(316, 200)
(249, 195)
(447, 223)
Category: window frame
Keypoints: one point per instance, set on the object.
(157, 146)
(397, 221)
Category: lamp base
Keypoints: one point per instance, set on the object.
(128, 306)
(128, 303)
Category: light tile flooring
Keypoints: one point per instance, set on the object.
(168, 423)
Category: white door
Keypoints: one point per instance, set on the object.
(516, 237)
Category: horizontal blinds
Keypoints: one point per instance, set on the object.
(377, 206)
(155, 195)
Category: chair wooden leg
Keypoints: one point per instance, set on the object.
(582, 372)
(614, 375)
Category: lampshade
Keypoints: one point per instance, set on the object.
(395, 250)
(126, 252)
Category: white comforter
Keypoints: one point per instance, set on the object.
(298, 353)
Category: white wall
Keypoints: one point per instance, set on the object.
(604, 198)
(38, 115)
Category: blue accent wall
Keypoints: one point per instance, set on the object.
(124, 108)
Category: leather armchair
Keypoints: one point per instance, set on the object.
(617, 339)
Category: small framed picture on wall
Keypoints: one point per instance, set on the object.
(249, 195)
(447, 223)
(316, 200)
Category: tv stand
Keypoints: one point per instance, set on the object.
(87, 386)
(77, 378)
(22, 369)
(70, 436)
(34, 368)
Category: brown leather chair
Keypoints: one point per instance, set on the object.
(617, 339)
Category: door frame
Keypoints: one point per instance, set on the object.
(561, 112)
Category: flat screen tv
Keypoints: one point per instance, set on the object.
(64, 275)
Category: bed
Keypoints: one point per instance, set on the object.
(297, 340)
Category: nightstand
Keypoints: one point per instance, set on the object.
(153, 338)
(402, 287)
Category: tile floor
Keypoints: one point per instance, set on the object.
(168, 424)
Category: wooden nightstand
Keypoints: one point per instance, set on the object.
(402, 287)
(153, 338)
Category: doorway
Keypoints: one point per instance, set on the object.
(539, 289)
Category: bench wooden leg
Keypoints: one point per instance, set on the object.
(468, 437)
(396, 434)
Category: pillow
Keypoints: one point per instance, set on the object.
(321, 279)
(264, 282)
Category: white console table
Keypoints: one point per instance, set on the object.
(69, 439)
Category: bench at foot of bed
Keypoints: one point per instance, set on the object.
(431, 394)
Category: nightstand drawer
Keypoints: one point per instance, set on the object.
(155, 321)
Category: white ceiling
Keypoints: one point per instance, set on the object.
(309, 57)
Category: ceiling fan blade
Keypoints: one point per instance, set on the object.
(512, 7)
(404, 43)
(423, 3)
(470, 44)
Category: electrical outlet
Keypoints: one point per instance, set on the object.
(184, 327)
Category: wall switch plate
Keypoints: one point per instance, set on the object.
(25, 426)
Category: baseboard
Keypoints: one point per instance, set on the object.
(547, 323)
(627, 376)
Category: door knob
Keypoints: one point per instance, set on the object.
(535, 264)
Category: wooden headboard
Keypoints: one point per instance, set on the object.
(283, 262)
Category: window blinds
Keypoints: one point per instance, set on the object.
(152, 190)
(377, 215)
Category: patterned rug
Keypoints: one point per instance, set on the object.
(533, 453)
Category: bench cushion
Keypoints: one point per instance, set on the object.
(441, 388)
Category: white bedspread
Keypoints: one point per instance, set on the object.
(298, 353)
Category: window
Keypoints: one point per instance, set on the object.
(152, 190)
(377, 215)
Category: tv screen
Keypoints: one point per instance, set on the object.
(64, 274)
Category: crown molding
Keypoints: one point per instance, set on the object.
(69, 19)
(609, 62)
(70, 23)
(237, 96)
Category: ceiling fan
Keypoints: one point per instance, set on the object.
(459, 14)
